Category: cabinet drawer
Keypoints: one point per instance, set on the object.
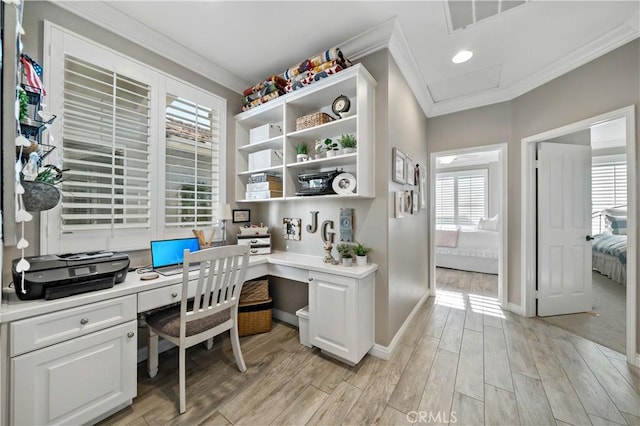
(254, 241)
(163, 296)
(45, 330)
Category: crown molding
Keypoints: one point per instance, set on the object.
(111, 19)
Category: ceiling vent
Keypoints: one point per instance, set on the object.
(462, 13)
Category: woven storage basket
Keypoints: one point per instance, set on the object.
(254, 291)
(312, 120)
(254, 317)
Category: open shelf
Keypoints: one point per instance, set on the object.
(339, 160)
(273, 143)
(331, 129)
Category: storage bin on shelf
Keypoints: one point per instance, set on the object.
(264, 132)
(312, 120)
(254, 308)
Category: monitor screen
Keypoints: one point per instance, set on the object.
(171, 252)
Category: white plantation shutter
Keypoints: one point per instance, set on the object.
(192, 163)
(461, 197)
(608, 189)
(106, 149)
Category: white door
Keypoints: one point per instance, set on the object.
(564, 225)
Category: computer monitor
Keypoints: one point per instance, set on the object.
(171, 252)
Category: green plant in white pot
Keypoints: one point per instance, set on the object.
(346, 254)
(330, 147)
(348, 143)
(361, 254)
(302, 152)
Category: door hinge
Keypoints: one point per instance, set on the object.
(537, 294)
(537, 164)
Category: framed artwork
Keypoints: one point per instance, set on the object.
(241, 216)
(399, 165)
(398, 205)
(408, 202)
(292, 228)
(410, 172)
(415, 203)
(422, 186)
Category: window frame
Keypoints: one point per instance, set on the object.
(484, 172)
(59, 41)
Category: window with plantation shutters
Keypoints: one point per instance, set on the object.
(461, 198)
(608, 189)
(105, 147)
(192, 163)
(141, 150)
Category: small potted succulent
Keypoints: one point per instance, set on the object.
(346, 254)
(302, 152)
(330, 147)
(361, 254)
(348, 143)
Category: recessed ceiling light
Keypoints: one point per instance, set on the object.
(462, 56)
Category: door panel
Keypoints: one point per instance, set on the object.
(564, 221)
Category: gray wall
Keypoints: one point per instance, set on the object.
(605, 84)
(35, 12)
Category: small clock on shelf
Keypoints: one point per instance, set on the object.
(341, 106)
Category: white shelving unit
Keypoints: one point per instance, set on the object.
(354, 82)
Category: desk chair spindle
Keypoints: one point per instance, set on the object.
(213, 310)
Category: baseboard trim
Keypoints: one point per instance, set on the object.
(385, 352)
(516, 309)
(283, 316)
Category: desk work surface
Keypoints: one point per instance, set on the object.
(13, 308)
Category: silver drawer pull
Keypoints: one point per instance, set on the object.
(310, 279)
(254, 241)
(84, 321)
(174, 294)
(253, 250)
(131, 334)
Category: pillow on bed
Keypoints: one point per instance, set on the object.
(445, 238)
(615, 211)
(490, 224)
(616, 225)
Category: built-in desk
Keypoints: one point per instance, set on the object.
(73, 360)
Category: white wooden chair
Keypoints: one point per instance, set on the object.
(213, 309)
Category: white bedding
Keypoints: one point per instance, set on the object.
(476, 250)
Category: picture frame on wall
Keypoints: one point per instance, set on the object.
(408, 202)
(398, 204)
(422, 186)
(415, 203)
(399, 165)
(410, 176)
(241, 216)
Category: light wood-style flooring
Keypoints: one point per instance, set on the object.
(461, 360)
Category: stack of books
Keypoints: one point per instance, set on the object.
(262, 186)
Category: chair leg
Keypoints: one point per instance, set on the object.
(152, 354)
(235, 345)
(208, 343)
(183, 397)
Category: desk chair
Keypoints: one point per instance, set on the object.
(213, 310)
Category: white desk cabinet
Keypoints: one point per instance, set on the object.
(73, 381)
(341, 315)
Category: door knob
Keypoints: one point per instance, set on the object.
(589, 238)
(84, 321)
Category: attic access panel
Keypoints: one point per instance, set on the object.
(462, 13)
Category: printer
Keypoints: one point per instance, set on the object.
(54, 276)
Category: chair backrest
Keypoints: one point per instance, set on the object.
(221, 275)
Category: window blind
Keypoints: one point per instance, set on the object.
(608, 189)
(192, 158)
(461, 197)
(106, 149)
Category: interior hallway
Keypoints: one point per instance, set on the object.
(461, 356)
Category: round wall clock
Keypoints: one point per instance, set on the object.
(341, 104)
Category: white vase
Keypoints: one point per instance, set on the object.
(348, 150)
(347, 261)
(301, 157)
(361, 260)
(331, 154)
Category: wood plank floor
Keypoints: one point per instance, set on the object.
(462, 360)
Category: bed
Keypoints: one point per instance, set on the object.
(609, 248)
(475, 250)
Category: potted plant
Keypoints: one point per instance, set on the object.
(330, 147)
(41, 194)
(302, 152)
(348, 143)
(361, 254)
(345, 254)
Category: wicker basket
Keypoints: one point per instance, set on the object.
(254, 317)
(254, 291)
(312, 120)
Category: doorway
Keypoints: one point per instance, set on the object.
(455, 177)
(530, 231)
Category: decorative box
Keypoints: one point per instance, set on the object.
(265, 159)
(264, 132)
(312, 120)
(264, 186)
(262, 195)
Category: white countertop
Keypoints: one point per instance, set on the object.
(13, 308)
